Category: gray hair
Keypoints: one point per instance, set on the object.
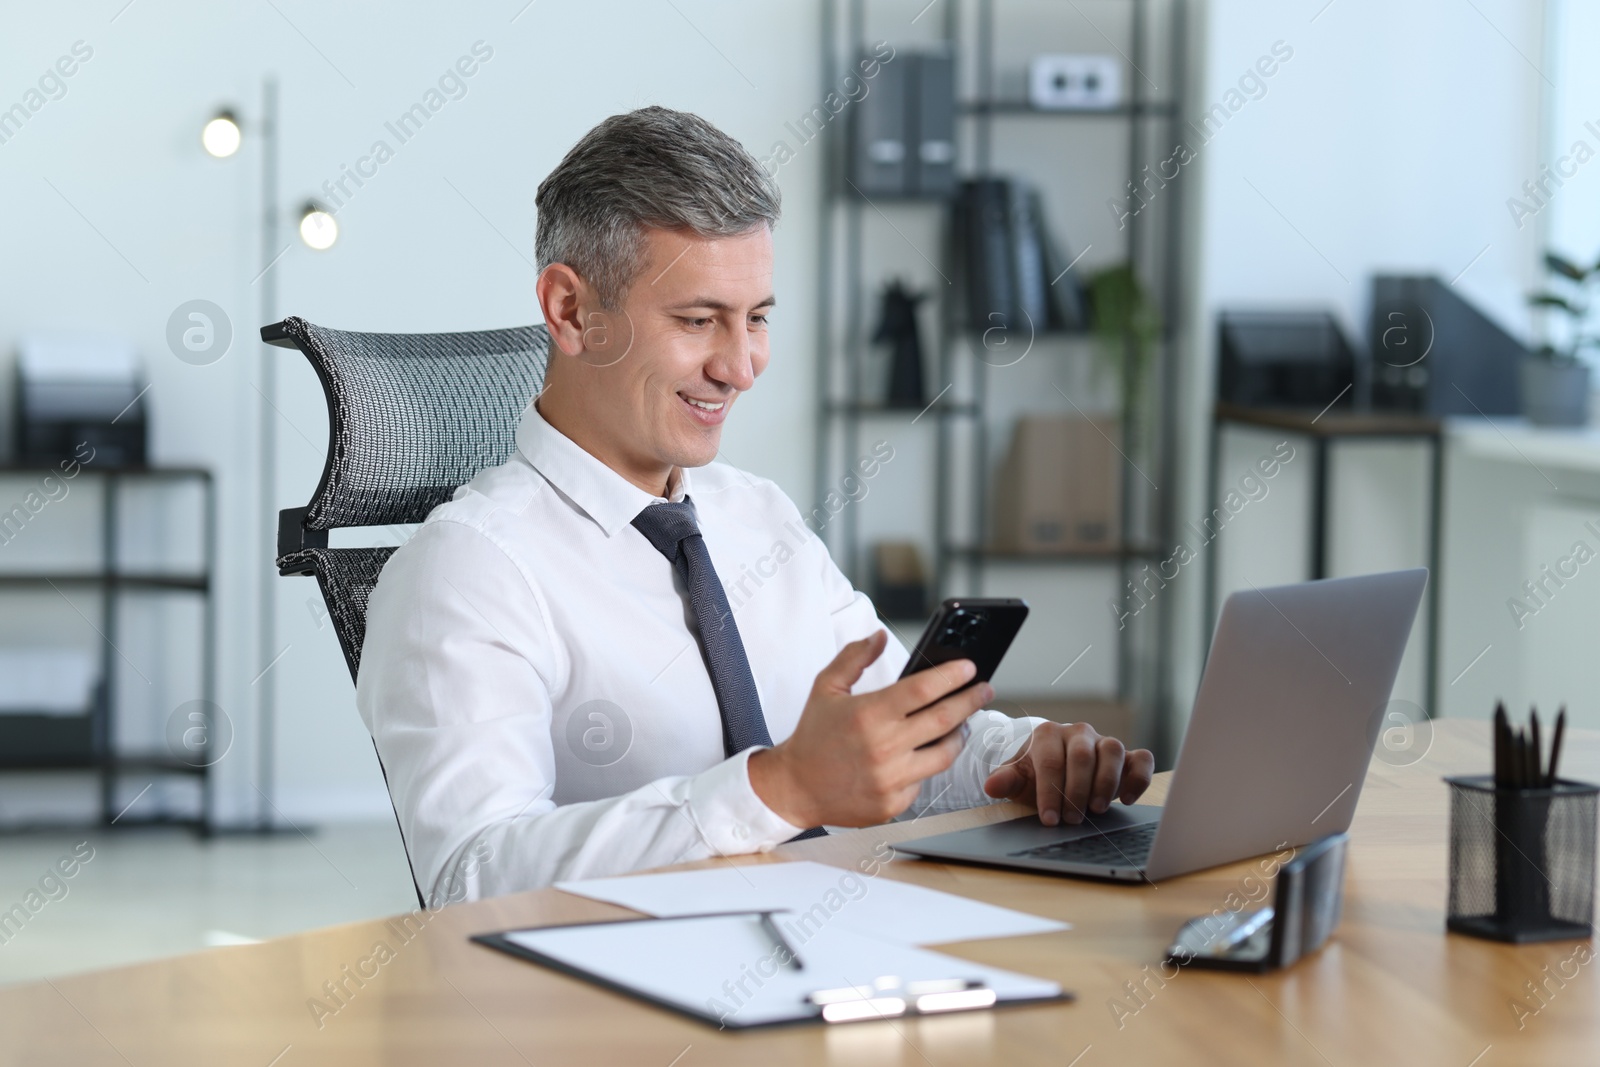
(652, 167)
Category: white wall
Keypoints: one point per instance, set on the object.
(1570, 215)
(415, 254)
(1528, 506)
(1515, 517)
(1389, 142)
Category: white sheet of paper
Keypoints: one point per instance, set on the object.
(817, 896)
(727, 967)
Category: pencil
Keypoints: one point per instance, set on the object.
(1519, 757)
(1502, 745)
(1499, 743)
(1527, 759)
(1555, 745)
(1536, 752)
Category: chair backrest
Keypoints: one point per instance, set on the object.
(410, 418)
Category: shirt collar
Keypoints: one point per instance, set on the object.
(604, 495)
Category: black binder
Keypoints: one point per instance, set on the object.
(1012, 274)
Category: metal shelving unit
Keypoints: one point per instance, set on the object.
(1150, 245)
(53, 742)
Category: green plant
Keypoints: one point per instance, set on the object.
(1569, 296)
(1127, 328)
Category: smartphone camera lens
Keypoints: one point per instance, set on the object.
(963, 629)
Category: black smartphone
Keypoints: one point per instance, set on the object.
(975, 628)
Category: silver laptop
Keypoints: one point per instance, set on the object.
(1289, 708)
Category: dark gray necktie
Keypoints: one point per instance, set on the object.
(674, 531)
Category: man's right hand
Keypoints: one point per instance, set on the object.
(857, 760)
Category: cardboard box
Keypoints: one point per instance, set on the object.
(1059, 487)
(899, 582)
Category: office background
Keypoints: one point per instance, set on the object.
(1392, 140)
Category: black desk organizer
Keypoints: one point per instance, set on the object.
(1522, 861)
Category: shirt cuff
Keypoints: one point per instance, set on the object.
(1021, 732)
(732, 819)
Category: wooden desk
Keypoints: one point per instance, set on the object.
(1391, 988)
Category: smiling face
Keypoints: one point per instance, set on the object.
(646, 387)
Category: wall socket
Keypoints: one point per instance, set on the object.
(1075, 82)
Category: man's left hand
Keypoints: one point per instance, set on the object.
(1072, 771)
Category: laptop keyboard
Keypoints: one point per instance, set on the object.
(1120, 848)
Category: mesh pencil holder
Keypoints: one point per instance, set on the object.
(1522, 861)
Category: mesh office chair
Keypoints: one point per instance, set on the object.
(410, 418)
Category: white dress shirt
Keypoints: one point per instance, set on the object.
(539, 701)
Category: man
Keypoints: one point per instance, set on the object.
(552, 673)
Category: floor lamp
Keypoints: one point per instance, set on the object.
(221, 138)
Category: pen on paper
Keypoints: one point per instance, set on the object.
(781, 941)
